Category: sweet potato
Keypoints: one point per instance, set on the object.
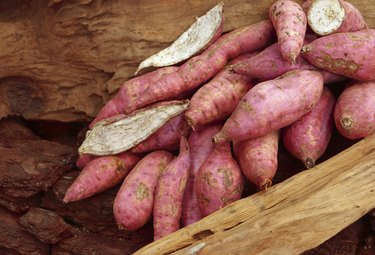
(219, 180)
(112, 136)
(272, 105)
(344, 53)
(269, 64)
(218, 98)
(83, 160)
(101, 174)
(200, 144)
(134, 201)
(198, 37)
(333, 16)
(193, 72)
(290, 23)
(355, 110)
(258, 158)
(169, 193)
(308, 137)
(165, 138)
(117, 106)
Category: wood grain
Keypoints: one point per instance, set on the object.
(289, 218)
(62, 60)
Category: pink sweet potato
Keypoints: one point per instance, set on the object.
(193, 72)
(290, 23)
(101, 174)
(258, 158)
(219, 180)
(83, 160)
(333, 16)
(308, 137)
(134, 201)
(355, 110)
(200, 144)
(169, 193)
(269, 64)
(344, 53)
(272, 105)
(218, 98)
(117, 106)
(165, 138)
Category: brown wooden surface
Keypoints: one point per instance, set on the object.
(289, 218)
(62, 60)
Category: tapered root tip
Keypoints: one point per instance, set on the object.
(309, 163)
(66, 198)
(220, 137)
(190, 121)
(265, 184)
(293, 58)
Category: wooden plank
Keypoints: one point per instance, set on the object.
(289, 218)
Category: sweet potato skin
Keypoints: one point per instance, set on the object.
(258, 158)
(355, 110)
(272, 105)
(83, 160)
(117, 106)
(169, 193)
(196, 70)
(353, 21)
(200, 145)
(218, 98)
(345, 54)
(101, 174)
(290, 23)
(165, 138)
(308, 137)
(219, 180)
(133, 204)
(269, 64)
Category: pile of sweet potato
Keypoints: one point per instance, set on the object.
(239, 95)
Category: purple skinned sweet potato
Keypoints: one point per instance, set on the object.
(345, 54)
(258, 158)
(169, 193)
(201, 145)
(134, 201)
(355, 110)
(101, 174)
(290, 24)
(165, 138)
(272, 105)
(83, 160)
(219, 180)
(270, 64)
(218, 98)
(117, 106)
(308, 138)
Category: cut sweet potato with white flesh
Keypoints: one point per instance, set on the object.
(333, 16)
(198, 37)
(118, 135)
